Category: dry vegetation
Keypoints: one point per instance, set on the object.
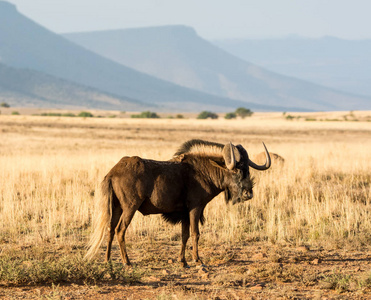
(305, 234)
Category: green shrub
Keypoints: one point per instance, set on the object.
(85, 114)
(207, 114)
(4, 104)
(243, 112)
(146, 115)
(15, 113)
(230, 115)
(68, 115)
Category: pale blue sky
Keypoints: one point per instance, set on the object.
(212, 19)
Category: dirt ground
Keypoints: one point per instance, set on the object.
(250, 271)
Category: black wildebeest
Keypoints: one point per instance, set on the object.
(178, 189)
(275, 158)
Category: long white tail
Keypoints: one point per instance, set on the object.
(102, 223)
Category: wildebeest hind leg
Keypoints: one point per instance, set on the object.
(116, 214)
(185, 237)
(120, 231)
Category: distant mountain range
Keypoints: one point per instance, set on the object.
(164, 68)
(25, 87)
(27, 45)
(333, 62)
(179, 55)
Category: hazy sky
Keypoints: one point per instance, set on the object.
(212, 19)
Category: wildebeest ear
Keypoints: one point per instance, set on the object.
(227, 155)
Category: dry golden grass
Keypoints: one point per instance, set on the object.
(52, 166)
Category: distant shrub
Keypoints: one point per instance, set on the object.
(310, 119)
(85, 114)
(68, 115)
(230, 115)
(4, 104)
(206, 115)
(15, 113)
(289, 117)
(243, 112)
(332, 120)
(179, 116)
(50, 115)
(146, 115)
(57, 115)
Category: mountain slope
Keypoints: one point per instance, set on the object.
(24, 87)
(25, 44)
(177, 54)
(337, 63)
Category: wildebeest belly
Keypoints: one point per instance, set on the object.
(148, 208)
(166, 196)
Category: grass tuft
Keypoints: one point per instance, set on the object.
(21, 269)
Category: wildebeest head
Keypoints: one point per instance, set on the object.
(240, 188)
(239, 183)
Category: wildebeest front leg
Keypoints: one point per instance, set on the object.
(185, 237)
(120, 230)
(194, 218)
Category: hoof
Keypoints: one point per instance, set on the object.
(199, 266)
(184, 265)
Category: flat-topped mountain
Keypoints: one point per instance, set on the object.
(179, 55)
(27, 45)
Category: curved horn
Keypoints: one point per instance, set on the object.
(262, 167)
(232, 164)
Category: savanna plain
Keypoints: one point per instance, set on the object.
(306, 234)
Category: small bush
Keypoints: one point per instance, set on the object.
(230, 115)
(68, 115)
(206, 115)
(332, 120)
(4, 104)
(85, 114)
(179, 116)
(15, 113)
(57, 115)
(146, 115)
(243, 112)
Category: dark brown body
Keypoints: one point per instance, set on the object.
(178, 189)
